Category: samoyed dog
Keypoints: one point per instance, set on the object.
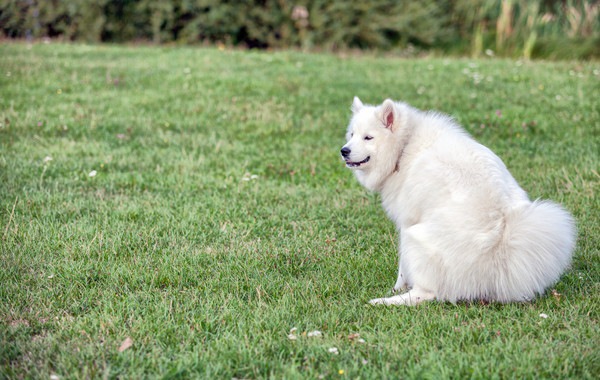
(467, 229)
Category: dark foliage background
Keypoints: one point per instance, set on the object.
(536, 28)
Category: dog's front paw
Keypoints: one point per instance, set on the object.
(411, 298)
(394, 300)
(378, 301)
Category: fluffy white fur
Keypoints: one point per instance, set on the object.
(467, 230)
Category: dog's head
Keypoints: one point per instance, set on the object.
(371, 148)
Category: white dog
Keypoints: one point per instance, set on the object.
(467, 230)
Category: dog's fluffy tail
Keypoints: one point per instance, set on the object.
(537, 246)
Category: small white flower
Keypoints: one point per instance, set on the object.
(314, 334)
(361, 340)
(54, 377)
(93, 173)
(47, 159)
(333, 350)
(292, 334)
(249, 177)
(543, 315)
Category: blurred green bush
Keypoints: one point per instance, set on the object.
(534, 28)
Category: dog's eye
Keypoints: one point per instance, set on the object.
(368, 138)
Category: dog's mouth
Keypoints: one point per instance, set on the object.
(352, 164)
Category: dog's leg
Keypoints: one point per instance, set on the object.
(410, 298)
(404, 281)
(401, 282)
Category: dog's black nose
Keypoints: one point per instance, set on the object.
(345, 151)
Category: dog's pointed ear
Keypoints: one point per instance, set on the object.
(388, 113)
(356, 105)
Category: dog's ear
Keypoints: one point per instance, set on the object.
(356, 105)
(388, 113)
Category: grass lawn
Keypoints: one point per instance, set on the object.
(175, 212)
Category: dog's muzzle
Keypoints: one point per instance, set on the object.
(345, 151)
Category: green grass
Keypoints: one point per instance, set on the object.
(221, 216)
